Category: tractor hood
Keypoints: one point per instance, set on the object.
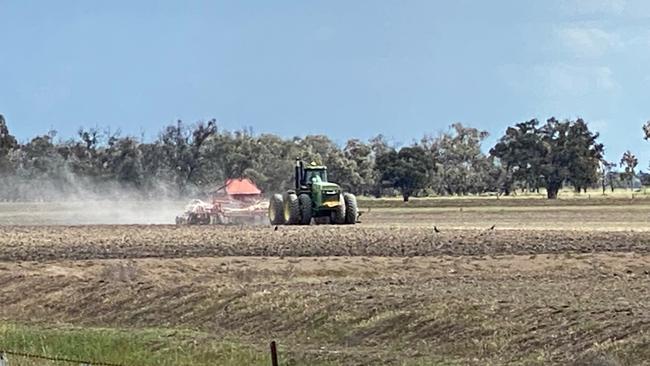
(326, 195)
(326, 187)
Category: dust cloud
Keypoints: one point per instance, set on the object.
(79, 202)
(90, 212)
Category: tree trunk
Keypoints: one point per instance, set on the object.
(406, 196)
(552, 189)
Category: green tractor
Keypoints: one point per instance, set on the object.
(313, 198)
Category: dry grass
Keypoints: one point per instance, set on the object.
(460, 309)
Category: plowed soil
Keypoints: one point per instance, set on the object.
(384, 292)
(110, 242)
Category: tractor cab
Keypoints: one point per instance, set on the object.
(314, 174)
(312, 177)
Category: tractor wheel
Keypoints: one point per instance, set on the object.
(276, 210)
(351, 209)
(338, 216)
(305, 209)
(291, 209)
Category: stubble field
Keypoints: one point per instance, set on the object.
(497, 282)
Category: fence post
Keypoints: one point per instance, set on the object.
(3, 359)
(274, 354)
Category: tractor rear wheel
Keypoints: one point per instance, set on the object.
(351, 209)
(305, 209)
(291, 209)
(276, 210)
(338, 216)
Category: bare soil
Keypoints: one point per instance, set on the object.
(39, 243)
(384, 292)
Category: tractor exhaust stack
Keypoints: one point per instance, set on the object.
(298, 175)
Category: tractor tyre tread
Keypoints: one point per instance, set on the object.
(338, 216)
(305, 209)
(351, 208)
(276, 210)
(292, 208)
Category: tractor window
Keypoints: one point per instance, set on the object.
(312, 176)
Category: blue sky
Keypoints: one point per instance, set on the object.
(345, 68)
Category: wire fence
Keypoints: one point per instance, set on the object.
(13, 358)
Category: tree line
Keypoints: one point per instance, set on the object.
(190, 159)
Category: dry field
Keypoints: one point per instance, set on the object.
(547, 285)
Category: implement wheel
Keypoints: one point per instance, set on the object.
(291, 209)
(276, 210)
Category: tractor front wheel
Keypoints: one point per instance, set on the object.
(305, 209)
(291, 209)
(338, 216)
(276, 210)
(351, 209)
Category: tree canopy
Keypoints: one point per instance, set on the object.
(406, 169)
(551, 154)
(187, 159)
